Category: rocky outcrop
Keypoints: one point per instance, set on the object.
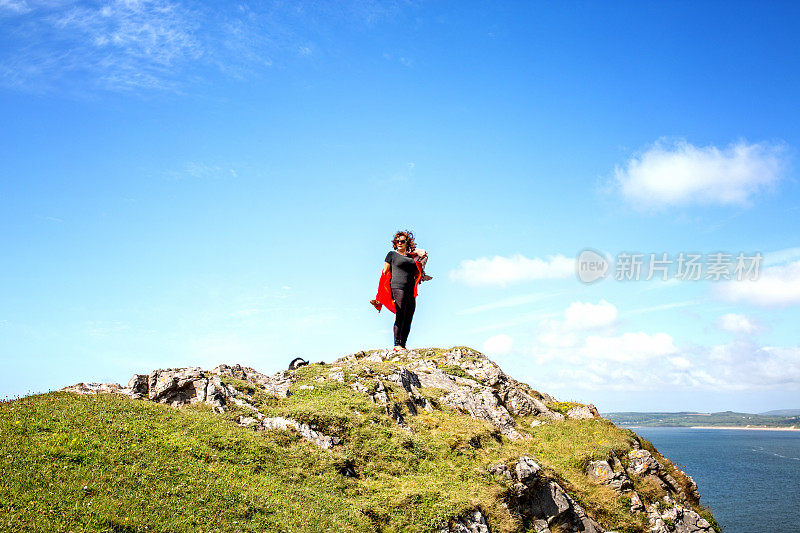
(582, 412)
(277, 384)
(484, 405)
(668, 515)
(675, 518)
(487, 394)
(410, 384)
(97, 388)
(182, 386)
(535, 498)
(473, 522)
(643, 464)
(602, 472)
(305, 431)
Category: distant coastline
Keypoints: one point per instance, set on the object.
(747, 428)
(783, 420)
(750, 428)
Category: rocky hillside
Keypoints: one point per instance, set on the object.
(427, 440)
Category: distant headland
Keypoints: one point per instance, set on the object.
(782, 420)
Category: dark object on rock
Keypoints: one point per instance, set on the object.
(297, 362)
(348, 469)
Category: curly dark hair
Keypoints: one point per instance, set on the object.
(410, 245)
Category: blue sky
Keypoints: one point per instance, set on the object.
(188, 183)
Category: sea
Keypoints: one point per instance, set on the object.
(749, 479)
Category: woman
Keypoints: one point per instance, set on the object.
(403, 270)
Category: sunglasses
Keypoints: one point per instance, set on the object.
(400, 242)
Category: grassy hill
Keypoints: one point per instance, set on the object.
(106, 462)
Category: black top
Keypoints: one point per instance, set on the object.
(404, 270)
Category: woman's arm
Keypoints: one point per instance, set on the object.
(386, 267)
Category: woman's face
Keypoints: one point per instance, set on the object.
(401, 241)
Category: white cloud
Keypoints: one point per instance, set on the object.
(661, 307)
(14, 6)
(166, 45)
(580, 315)
(737, 323)
(514, 301)
(742, 365)
(501, 271)
(204, 171)
(121, 45)
(679, 362)
(571, 356)
(776, 286)
(678, 173)
(246, 313)
(498, 345)
(781, 256)
(516, 321)
(554, 335)
(629, 347)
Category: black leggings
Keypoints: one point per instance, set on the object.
(404, 303)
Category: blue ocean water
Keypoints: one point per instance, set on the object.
(749, 479)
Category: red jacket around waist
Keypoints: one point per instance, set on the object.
(384, 295)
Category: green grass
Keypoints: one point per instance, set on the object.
(455, 370)
(108, 463)
(562, 407)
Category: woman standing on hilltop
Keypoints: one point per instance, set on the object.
(403, 270)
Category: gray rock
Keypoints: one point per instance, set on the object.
(246, 421)
(544, 501)
(581, 412)
(336, 374)
(394, 412)
(406, 378)
(527, 470)
(175, 386)
(676, 519)
(602, 472)
(472, 522)
(672, 485)
(483, 405)
(549, 502)
(379, 394)
(418, 400)
(642, 463)
(636, 503)
(96, 388)
(501, 470)
(277, 384)
(305, 431)
(216, 394)
(139, 385)
(359, 387)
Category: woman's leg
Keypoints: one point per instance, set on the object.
(410, 305)
(399, 317)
